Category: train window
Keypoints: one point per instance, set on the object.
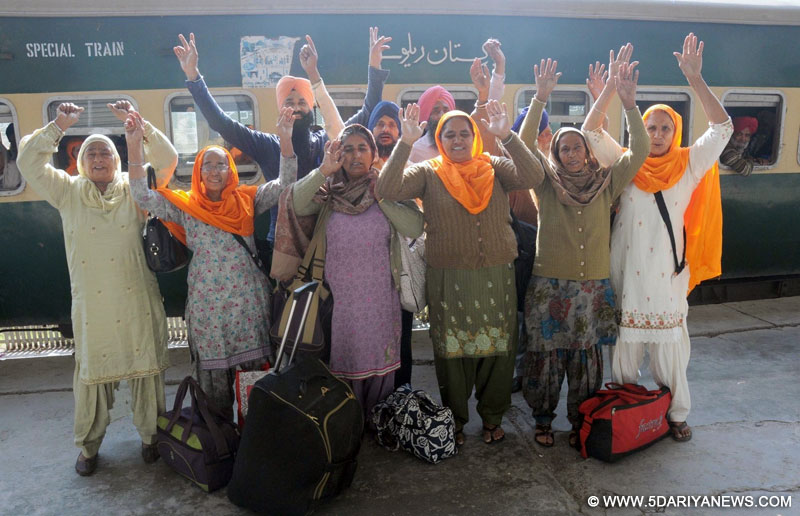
(348, 101)
(565, 107)
(190, 132)
(768, 109)
(95, 119)
(679, 101)
(465, 97)
(11, 181)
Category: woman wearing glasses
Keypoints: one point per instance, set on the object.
(227, 303)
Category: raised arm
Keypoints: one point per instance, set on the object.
(623, 170)
(36, 150)
(479, 73)
(395, 182)
(690, 62)
(497, 84)
(597, 115)
(376, 78)
(260, 146)
(546, 76)
(308, 60)
(268, 193)
(523, 171)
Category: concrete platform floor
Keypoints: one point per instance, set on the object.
(745, 417)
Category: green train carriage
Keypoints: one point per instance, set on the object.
(73, 51)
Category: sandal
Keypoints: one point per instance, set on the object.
(490, 433)
(679, 431)
(573, 440)
(545, 432)
(460, 438)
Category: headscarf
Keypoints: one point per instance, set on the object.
(115, 190)
(703, 217)
(431, 96)
(543, 123)
(293, 232)
(72, 167)
(471, 183)
(288, 83)
(232, 213)
(385, 108)
(576, 188)
(740, 123)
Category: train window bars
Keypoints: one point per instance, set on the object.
(189, 132)
(11, 182)
(566, 107)
(348, 101)
(678, 100)
(768, 107)
(95, 119)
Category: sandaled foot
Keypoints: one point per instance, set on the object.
(460, 438)
(493, 433)
(150, 453)
(85, 467)
(574, 442)
(681, 432)
(543, 435)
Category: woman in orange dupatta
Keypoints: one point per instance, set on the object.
(647, 276)
(227, 302)
(470, 250)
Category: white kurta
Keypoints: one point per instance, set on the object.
(651, 298)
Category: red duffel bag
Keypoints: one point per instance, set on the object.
(623, 419)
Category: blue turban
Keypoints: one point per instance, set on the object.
(385, 108)
(542, 124)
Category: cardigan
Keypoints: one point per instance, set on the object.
(573, 241)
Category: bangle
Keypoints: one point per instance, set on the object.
(601, 112)
(481, 105)
(136, 164)
(508, 138)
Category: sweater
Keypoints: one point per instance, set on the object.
(573, 241)
(455, 238)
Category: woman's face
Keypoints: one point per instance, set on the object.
(99, 162)
(214, 172)
(572, 152)
(357, 155)
(456, 138)
(661, 130)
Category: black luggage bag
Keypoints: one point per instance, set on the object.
(302, 434)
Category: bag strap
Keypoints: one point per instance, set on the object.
(662, 208)
(314, 259)
(253, 256)
(201, 403)
(176, 407)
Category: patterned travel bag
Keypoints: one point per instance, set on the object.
(622, 419)
(302, 436)
(197, 441)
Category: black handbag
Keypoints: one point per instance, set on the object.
(526, 254)
(163, 252)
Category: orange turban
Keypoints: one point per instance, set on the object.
(289, 83)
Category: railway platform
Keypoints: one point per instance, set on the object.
(745, 418)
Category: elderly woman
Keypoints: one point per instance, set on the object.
(362, 259)
(227, 303)
(117, 316)
(647, 271)
(569, 306)
(470, 250)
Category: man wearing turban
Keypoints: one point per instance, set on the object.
(735, 155)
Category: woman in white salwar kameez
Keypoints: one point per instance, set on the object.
(647, 272)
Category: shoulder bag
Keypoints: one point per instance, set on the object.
(163, 252)
(412, 276)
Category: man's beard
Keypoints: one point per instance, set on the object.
(303, 123)
(431, 130)
(384, 151)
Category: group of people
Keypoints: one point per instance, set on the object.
(607, 267)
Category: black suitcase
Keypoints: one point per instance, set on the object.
(302, 434)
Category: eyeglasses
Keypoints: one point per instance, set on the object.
(219, 167)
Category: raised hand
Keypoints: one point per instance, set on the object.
(309, 58)
(187, 56)
(597, 79)
(623, 56)
(67, 115)
(690, 60)
(377, 44)
(546, 78)
(332, 161)
(499, 124)
(285, 123)
(410, 125)
(493, 50)
(120, 109)
(134, 127)
(481, 78)
(626, 80)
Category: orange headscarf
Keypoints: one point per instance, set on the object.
(72, 146)
(233, 213)
(703, 216)
(471, 183)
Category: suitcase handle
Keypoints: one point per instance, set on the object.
(304, 290)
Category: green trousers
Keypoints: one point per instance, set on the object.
(92, 403)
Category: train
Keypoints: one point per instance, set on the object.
(80, 51)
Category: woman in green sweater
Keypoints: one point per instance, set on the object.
(470, 249)
(569, 306)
